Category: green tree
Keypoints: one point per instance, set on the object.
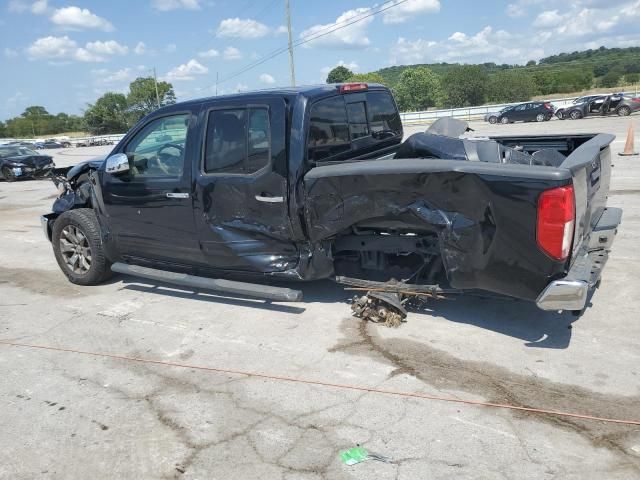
(531, 63)
(611, 79)
(339, 74)
(39, 119)
(3, 130)
(465, 86)
(510, 86)
(632, 78)
(417, 89)
(372, 77)
(108, 114)
(142, 96)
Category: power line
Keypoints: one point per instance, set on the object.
(318, 34)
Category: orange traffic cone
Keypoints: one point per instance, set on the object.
(628, 146)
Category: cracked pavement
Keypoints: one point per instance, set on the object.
(66, 415)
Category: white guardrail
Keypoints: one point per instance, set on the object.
(475, 113)
(427, 116)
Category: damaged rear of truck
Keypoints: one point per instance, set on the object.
(338, 194)
(524, 217)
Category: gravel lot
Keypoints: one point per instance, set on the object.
(69, 415)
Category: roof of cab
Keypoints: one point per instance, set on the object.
(309, 91)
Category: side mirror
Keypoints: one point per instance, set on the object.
(117, 163)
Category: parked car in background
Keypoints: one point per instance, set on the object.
(17, 161)
(615, 104)
(525, 112)
(48, 144)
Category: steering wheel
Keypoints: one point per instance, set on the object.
(168, 163)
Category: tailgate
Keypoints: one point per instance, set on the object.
(590, 167)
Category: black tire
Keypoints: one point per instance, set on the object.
(504, 120)
(541, 117)
(81, 224)
(8, 174)
(493, 120)
(575, 115)
(560, 114)
(624, 111)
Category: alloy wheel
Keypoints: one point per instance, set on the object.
(75, 249)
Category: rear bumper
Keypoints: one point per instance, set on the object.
(572, 291)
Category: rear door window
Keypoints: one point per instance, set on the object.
(238, 141)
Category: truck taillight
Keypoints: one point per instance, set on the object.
(556, 221)
(353, 87)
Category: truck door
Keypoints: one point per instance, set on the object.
(241, 204)
(150, 206)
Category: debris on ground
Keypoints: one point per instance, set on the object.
(380, 307)
(359, 454)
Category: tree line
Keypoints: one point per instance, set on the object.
(111, 113)
(420, 88)
(447, 85)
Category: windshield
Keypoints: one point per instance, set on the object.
(16, 152)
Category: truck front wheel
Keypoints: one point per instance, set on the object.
(78, 248)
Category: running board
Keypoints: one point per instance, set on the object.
(277, 294)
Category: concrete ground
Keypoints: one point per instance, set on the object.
(68, 415)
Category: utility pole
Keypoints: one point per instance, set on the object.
(216, 84)
(155, 79)
(291, 65)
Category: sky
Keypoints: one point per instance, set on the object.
(64, 54)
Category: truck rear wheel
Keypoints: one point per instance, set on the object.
(78, 248)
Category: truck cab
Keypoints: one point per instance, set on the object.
(213, 186)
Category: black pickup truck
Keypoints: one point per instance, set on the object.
(316, 182)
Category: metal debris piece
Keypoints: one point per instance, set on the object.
(380, 307)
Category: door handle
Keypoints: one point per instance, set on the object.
(177, 195)
(266, 199)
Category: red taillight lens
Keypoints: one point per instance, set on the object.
(556, 220)
(548, 106)
(353, 87)
(635, 99)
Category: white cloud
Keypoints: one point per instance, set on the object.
(280, 30)
(186, 71)
(166, 5)
(548, 18)
(106, 77)
(268, 79)
(140, 48)
(486, 45)
(10, 52)
(60, 49)
(324, 71)
(409, 10)
(170, 48)
(240, 87)
(239, 28)
(232, 53)
(348, 36)
(211, 53)
(75, 18)
(39, 7)
(110, 47)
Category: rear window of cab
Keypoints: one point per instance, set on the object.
(338, 126)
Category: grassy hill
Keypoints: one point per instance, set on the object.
(562, 73)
